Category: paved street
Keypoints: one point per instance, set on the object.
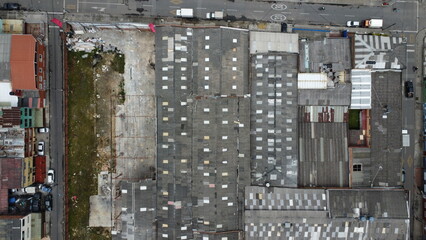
(56, 131)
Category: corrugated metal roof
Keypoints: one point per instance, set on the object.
(323, 113)
(323, 155)
(262, 198)
(312, 81)
(372, 203)
(279, 213)
(340, 95)
(361, 89)
(5, 42)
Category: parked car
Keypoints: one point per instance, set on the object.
(11, 6)
(409, 89)
(45, 189)
(35, 205)
(40, 148)
(403, 175)
(35, 202)
(43, 130)
(50, 176)
(37, 195)
(48, 202)
(353, 24)
(30, 190)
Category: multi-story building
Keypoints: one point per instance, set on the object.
(15, 227)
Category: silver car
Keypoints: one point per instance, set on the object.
(40, 148)
(50, 176)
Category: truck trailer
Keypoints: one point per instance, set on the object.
(215, 15)
(373, 23)
(405, 138)
(185, 13)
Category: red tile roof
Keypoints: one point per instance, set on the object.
(22, 55)
(40, 169)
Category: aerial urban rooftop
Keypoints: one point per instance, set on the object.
(212, 120)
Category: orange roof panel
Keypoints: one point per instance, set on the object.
(22, 55)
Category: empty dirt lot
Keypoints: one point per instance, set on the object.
(111, 121)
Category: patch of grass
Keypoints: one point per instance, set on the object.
(82, 171)
(354, 119)
(117, 63)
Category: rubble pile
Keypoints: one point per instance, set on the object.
(89, 44)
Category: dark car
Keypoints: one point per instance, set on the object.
(409, 89)
(11, 6)
(35, 205)
(35, 202)
(48, 202)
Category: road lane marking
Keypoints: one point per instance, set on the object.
(324, 14)
(231, 10)
(201, 8)
(117, 4)
(304, 13)
(349, 15)
(55, 13)
(174, 7)
(286, 12)
(260, 11)
(410, 50)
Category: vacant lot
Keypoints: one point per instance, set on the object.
(94, 91)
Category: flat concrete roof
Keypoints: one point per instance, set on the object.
(386, 130)
(138, 210)
(379, 52)
(264, 42)
(315, 53)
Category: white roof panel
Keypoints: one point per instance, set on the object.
(361, 89)
(263, 42)
(312, 81)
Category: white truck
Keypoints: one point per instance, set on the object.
(373, 23)
(185, 13)
(405, 138)
(215, 15)
(30, 190)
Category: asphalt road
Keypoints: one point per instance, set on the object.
(403, 20)
(56, 85)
